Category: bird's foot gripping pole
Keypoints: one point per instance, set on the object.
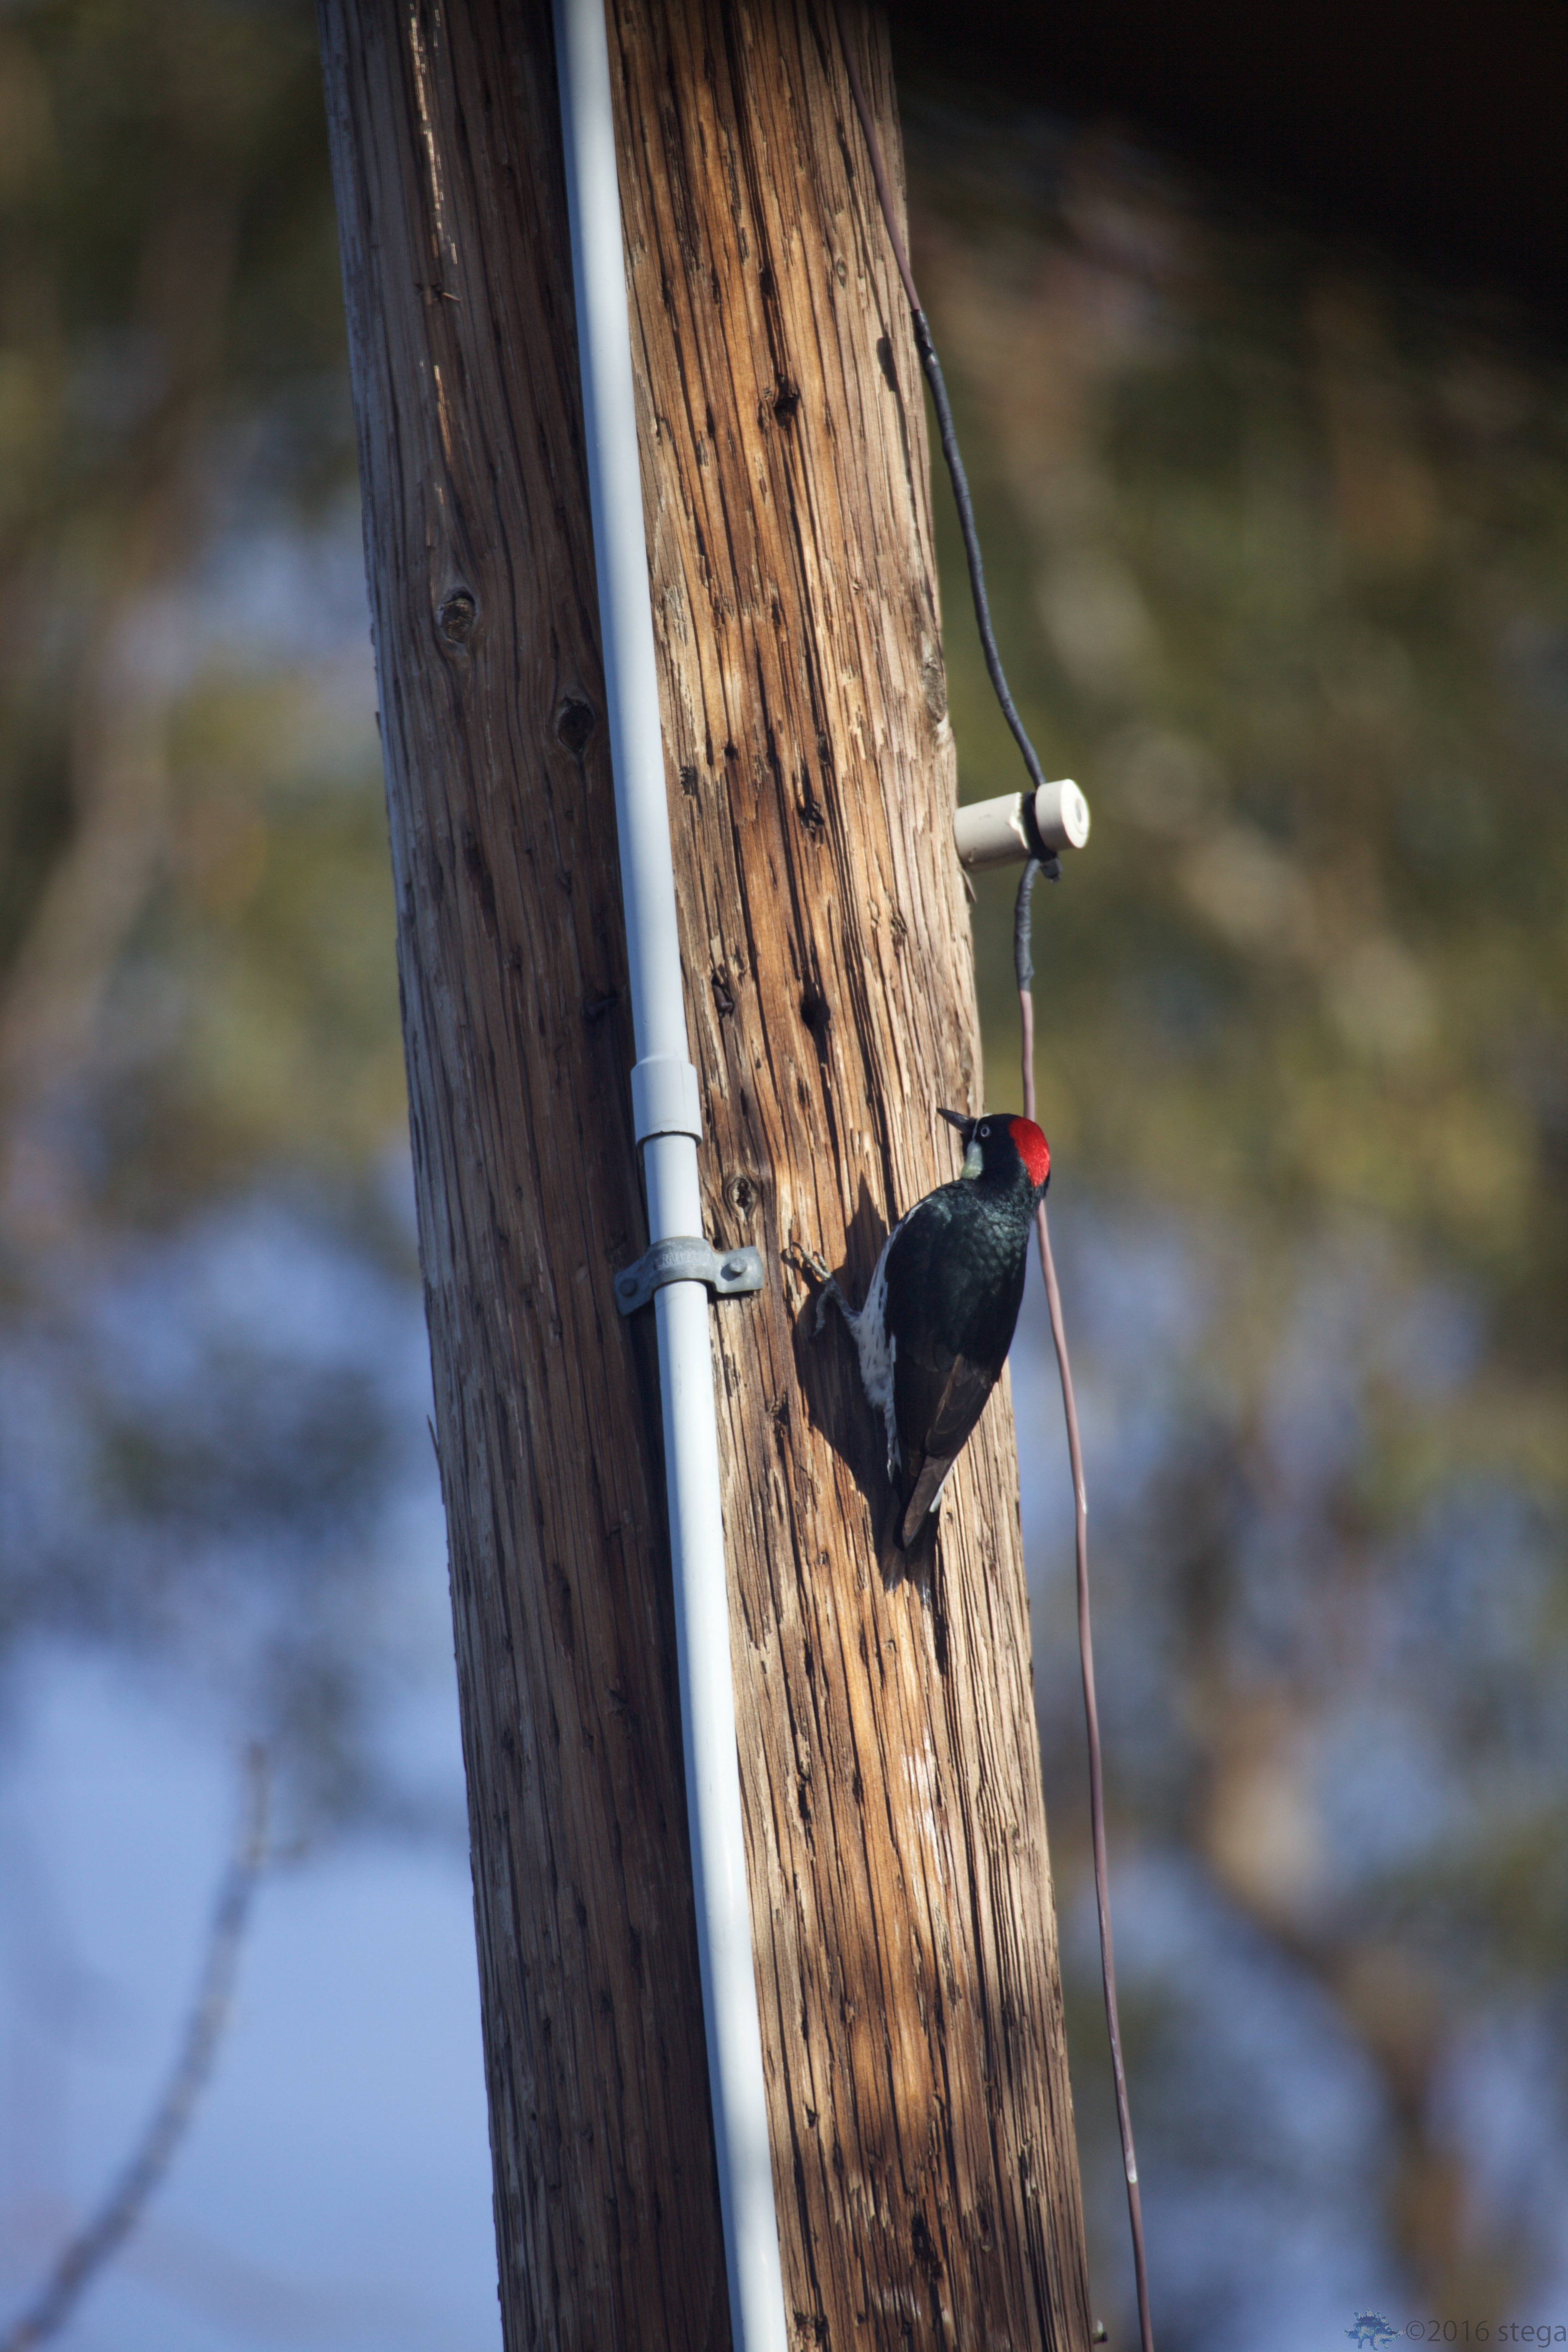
(817, 1267)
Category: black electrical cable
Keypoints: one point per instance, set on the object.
(931, 366)
(1049, 866)
(1023, 959)
(1025, 972)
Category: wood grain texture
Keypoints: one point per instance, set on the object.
(921, 2119)
(446, 152)
(923, 2131)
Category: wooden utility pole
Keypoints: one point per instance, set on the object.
(922, 2122)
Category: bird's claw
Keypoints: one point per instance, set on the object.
(814, 1265)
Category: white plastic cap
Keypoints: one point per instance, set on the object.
(998, 833)
(1061, 815)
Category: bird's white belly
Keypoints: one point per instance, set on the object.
(876, 1352)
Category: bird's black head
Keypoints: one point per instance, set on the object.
(1004, 1153)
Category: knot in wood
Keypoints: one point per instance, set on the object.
(574, 722)
(817, 1012)
(456, 614)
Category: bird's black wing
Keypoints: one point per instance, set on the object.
(952, 1313)
(959, 1407)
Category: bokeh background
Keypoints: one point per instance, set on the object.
(1276, 526)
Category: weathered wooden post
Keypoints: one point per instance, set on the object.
(921, 2118)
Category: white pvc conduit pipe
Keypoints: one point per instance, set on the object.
(667, 1107)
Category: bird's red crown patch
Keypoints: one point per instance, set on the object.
(1033, 1150)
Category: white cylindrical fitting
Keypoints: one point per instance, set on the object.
(1022, 824)
(1061, 815)
(993, 832)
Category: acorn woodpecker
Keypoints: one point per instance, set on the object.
(938, 1316)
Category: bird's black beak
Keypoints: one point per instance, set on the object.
(972, 1161)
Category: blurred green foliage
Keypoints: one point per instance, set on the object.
(200, 1067)
(1284, 561)
(194, 912)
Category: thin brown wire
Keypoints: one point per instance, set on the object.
(1090, 1703)
(1047, 1264)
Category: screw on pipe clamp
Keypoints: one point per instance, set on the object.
(684, 1258)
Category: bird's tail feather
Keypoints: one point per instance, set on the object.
(930, 1480)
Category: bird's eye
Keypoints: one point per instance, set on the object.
(982, 1131)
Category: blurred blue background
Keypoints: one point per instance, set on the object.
(1279, 541)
